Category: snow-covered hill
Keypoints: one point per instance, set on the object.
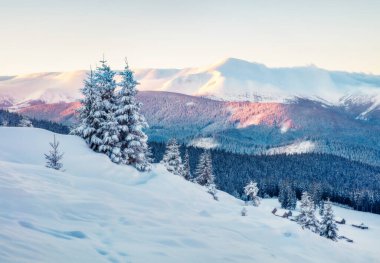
(96, 211)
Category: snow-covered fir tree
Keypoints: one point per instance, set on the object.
(204, 172)
(307, 218)
(104, 106)
(54, 157)
(328, 227)
(98, 125)
(251, 190)
(172, 158)
(133, 141)
(287, 196)
(25, 122)
(87, 126)
(186, 166)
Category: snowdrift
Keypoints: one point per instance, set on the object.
(96, 211)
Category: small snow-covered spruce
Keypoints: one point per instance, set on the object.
(211, 189)
(172, 158)
(328, 227)
(130, 123)
(244, 212)
(86, 127)
(315, 192)
(307, 218)
(186, 167)
(251, 190)
(54, 157)
(204, 172)
(25, 122)
(287, 196)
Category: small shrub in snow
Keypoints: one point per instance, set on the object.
(54, 157)
(244, 212)
(25, 122)
(211, 189)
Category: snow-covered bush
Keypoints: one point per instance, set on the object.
(25, 122)
(251, 190)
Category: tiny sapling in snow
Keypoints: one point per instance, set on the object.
(54, 157)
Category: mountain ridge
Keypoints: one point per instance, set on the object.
(230, 79)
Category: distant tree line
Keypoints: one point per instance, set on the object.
(12, 119)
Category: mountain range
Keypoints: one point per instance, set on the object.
(234, 105)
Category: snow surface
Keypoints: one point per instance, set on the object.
(97, 211)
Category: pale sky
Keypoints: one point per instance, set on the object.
(52, 35)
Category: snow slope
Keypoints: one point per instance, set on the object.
(96, 211)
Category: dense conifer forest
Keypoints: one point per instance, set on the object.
(343, 181)
(328, 176)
